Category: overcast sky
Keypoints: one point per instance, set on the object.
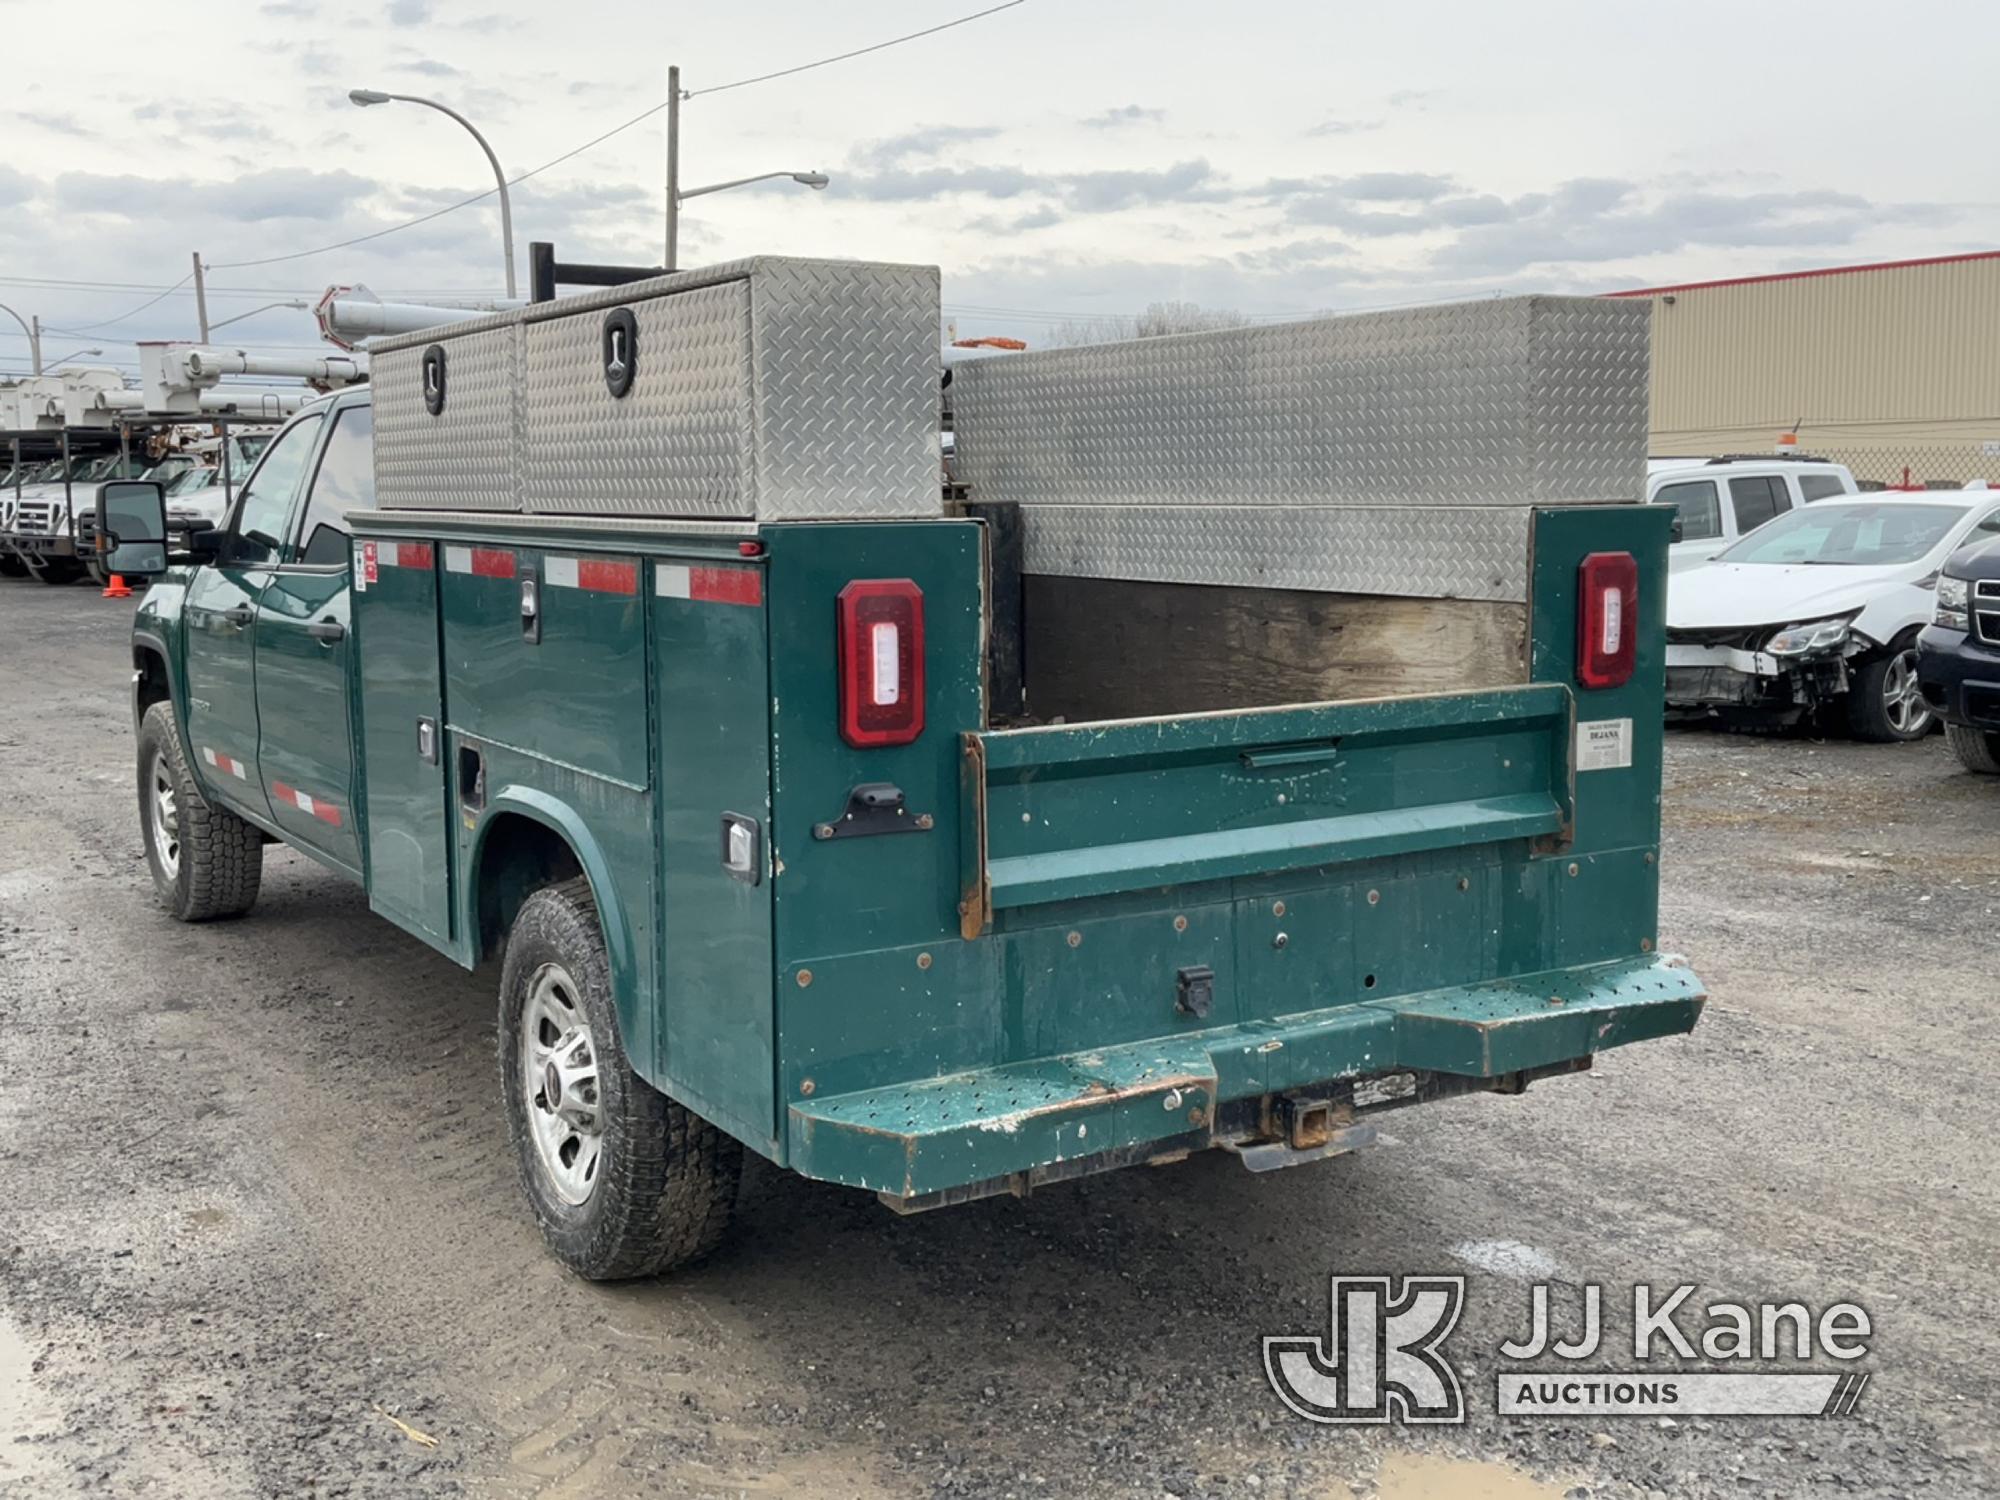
(1064, 158)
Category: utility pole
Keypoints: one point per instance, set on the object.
(673, 168)
(200, 297)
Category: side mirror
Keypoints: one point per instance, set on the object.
(1679, 531)
(203, 544)
(132, 527)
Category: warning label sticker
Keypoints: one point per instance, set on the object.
(1603, 744)
(366, 561)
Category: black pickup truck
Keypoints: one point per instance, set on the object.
(1958, 656)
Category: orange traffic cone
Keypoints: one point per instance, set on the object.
(116, 589)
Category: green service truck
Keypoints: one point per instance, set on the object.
(1266, 735)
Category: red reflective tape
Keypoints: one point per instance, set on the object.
(607, 577)
(726, 585)
(410, 555)
(326, 812)
(492, 562)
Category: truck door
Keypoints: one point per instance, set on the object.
(220, 610)
(305, 746)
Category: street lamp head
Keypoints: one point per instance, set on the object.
(365, 97)
(813, 180)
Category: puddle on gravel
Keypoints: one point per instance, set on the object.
(24, 1411)
(1418, 1476)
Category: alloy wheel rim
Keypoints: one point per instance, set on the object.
(1903, 699)
(559, 1082)
(164, 806)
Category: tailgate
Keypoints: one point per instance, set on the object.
(1070, 811)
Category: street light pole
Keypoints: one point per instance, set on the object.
(676, 195)
(34, 332)
(673, 168)
(365, 97)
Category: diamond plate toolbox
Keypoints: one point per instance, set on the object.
(768, 389)
(467, 457)
(1351, 453)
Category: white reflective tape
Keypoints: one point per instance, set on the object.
(559, 572)
(672, 581)
(458, 559)
(208, 755)
(305, 803)
(236, 770)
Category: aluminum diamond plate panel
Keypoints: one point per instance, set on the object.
(768, 389)
(846, 371)
(467, 457)
(1448, 552)
(678, 444)
(1517, 401)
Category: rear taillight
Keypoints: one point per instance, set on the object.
(881, 662)
(1607, 627)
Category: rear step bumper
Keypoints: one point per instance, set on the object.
(1091, 1111)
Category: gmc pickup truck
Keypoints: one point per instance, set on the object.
(625, 643)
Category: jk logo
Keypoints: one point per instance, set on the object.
(1382, 1362)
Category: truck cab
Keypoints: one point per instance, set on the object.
(688, 707)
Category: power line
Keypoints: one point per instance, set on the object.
(844, 56)
(89, 328)
(643, 115)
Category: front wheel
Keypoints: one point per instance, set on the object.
(624, 1181)
(206, 861)
(1976, 749)
(1885, 704)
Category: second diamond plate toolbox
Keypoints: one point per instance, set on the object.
(768, 389)
(1393, 452)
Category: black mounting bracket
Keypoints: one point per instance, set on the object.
(874, 807)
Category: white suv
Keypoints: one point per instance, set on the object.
(1755, 489)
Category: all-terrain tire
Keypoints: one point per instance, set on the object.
(664, 1186)
(216, 862)
(1976, 749)
(1884, 688)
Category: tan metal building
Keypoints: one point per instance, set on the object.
(1886, 368)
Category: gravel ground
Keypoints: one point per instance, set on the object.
(263, 1232)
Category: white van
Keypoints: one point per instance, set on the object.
(1720, 499)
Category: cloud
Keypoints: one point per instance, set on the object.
(1591, 221)
(428, 67)
(15, 187)
(1084, 192)
(1344, 127)
(408, 12)
(1130, 114)
(288, 10)
(921, 144)
(282, 193)
(58, 123)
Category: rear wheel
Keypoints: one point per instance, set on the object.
(206, 861)
(624, 1181)
(1976, 749)
(1884, 702)
(10, 565)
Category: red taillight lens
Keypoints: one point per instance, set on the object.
(881, 662)
(1607, 626)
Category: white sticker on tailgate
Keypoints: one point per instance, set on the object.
(1603, 744)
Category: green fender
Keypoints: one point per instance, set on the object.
(564, 821)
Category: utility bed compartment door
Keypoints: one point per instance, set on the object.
(1078, 810)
